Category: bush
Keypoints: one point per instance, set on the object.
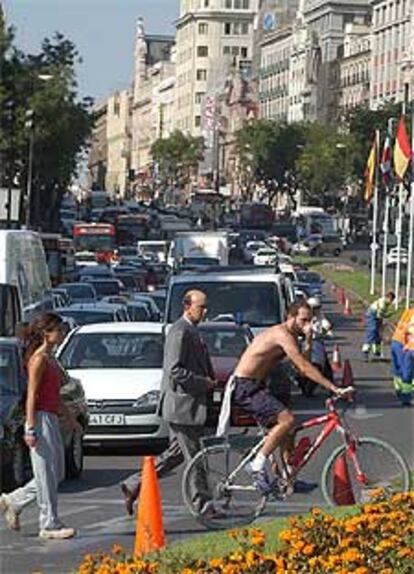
(378, 539)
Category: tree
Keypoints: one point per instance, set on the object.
(267, 153)
(61, 124)
(326, 164)
(177, 157)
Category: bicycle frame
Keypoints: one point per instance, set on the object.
(333, 422)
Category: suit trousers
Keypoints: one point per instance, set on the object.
(188, 438)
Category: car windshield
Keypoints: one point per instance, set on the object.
(104, 288)
(200, 261)
(8, 371)
(84, 317)
(224, 343)
(256, 303)
(80, 291)
(308, 277)
(113, 351)
(138, 313)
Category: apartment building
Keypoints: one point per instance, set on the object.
(355, 67)
(118, 138)
(211, 36)
(392, 50)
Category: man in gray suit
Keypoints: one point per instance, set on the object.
(187, 376)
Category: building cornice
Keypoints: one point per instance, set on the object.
(277, 35)
(225, 15)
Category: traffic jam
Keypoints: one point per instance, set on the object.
(117, 275)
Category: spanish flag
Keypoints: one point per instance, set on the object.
(402, 150)
(370, 172)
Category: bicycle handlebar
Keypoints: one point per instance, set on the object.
(345, 395)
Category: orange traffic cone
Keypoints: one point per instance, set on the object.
(347, 308)
(342, 487)
(149, 535)
(347, 374)
(336, 360)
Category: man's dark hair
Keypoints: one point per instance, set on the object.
(295, 307)
(390, 295)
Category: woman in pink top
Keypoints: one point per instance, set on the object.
(42, 432)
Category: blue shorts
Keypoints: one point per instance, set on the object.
(255, 398)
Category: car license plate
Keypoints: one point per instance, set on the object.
(107, 419)
(216, 396)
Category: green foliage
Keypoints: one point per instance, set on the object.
(177, 156)
(326, 163)
(46, 84)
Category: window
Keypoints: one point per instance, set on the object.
(206, 3)
(236, 28)
(243, 52)
(203, 28)
(199, 97)
(202, 51)
(246, 4)
(197, 121)
(244, 28)
(227, 4)
(227, 28)
(226, 50)
(117, 108)
(201, 75)
(237, 4)
(235, 50)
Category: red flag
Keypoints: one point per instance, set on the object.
(402, 150)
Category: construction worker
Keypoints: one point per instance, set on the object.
(397, 350)
(407, 378)
(375, 315)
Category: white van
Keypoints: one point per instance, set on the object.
(23, 270)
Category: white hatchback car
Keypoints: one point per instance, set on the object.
(120, 368)
(265, 256)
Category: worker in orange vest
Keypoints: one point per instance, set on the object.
(407, 365)
(397, 350)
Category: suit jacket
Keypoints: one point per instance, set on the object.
(186, 368)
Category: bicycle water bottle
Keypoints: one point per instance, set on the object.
(300, 451)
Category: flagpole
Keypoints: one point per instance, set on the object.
(398, 232)
(411, 224)
(374, 245)
(385, 230)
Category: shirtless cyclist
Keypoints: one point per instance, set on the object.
(255, 366)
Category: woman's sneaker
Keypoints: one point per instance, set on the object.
(57, 533)
(10, 515)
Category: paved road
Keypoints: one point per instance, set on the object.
(93, 505)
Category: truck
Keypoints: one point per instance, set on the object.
(205, 247)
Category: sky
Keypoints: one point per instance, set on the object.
(102, 30)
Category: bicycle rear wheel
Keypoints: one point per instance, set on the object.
(235, 502)
(381, 464)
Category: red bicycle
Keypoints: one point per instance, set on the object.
(351, 471)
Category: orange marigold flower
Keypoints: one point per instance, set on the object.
(117, 549)
(316, 511)
(404, 552)
(308, 549)
(361, 570)
(351, 555)
(216, 562)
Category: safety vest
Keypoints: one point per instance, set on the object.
(380, 307)
(399, 333)
(409, 336)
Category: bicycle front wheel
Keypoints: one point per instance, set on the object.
(381, 465)
(234, 500)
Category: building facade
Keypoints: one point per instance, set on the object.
(98, 152)
(118, 137)
(153, 99)
(355, 67)
(274, 72)
(392, 50)
(211, 36)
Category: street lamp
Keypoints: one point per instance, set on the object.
(29, 124)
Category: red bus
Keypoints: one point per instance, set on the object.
(96, 237)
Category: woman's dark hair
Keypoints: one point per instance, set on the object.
(32, 334)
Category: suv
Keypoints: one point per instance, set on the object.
(250, 296)
(330, 245)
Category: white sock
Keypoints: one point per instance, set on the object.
(259, 462)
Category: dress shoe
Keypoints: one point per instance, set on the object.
(129, 499)
(10, 515)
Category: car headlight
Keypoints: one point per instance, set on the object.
(148, 400)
